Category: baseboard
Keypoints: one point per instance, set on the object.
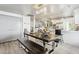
(8, 41)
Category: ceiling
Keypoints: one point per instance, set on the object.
(23, 9)
(63, 9)
(60, 10)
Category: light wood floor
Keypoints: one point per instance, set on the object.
(66, 48)
(11, 48)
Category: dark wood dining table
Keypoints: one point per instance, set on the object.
(45, 40)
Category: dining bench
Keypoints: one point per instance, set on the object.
(32, 47)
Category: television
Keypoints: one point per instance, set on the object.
(58, 32)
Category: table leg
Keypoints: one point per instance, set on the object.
(44, 45)
(53, 46)
(51, 51)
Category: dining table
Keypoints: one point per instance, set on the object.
(54, 39)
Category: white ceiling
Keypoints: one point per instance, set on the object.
(16, 8)
(27, 8)
(60, 10)
(64, 9)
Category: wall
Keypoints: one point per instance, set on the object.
(71, 37)
(76, 13)
(26, 23)
(10, 27)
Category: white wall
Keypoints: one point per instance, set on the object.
(10, 27)
(71, 37)
(26, 23)
(76, 13)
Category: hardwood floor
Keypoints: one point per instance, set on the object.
(66, 48)
(11, 48)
